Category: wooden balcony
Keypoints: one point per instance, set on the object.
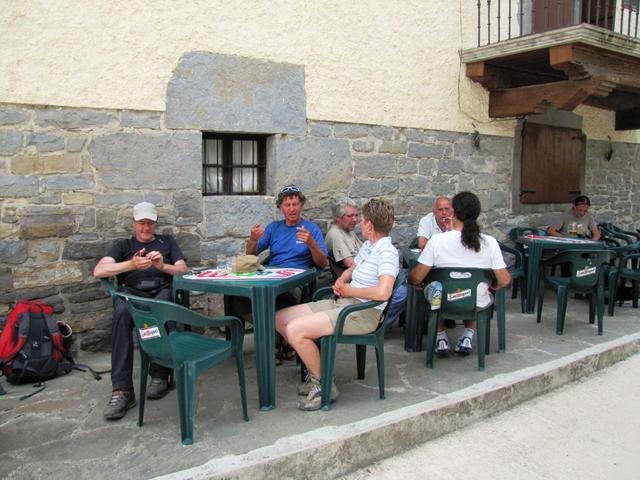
(561, 67)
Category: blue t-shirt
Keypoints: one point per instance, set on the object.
(284, 249)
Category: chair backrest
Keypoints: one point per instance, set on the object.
(150, 317)
(460, 287)
(398, 300)
(518, 232)
(586, 265)
(336, 268)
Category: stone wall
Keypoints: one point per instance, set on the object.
(69, 177)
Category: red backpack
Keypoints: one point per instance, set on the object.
(31, 347)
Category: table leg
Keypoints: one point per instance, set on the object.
(263, 308)
(533, 277)
(416, 309)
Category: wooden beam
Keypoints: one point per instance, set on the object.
(538, 98)
(616, 100)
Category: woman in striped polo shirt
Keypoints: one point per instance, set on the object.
(371, 277)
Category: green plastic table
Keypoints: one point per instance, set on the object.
(416, 309)
(537, 245)
(262, 294)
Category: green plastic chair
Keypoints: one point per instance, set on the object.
(328, 343)
(517, 271)
(459, 303)
(187, 353)
(628, 268)
(587, 273)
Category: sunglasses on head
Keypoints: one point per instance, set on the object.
(290, 189)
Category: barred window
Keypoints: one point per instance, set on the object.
(233, 164)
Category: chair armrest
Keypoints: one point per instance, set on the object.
(321, 293)
(109, 285)
(517, 254)
(353, 308)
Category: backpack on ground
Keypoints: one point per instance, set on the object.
(32, 346)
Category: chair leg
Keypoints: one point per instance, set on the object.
(380, 364)
(327, 363)
(592, 308)
(540, 302)
(635, 285)
(563, 295)
(419, 328)
(242, 382)
(185, 386)
(144, 374)
(432, 326)
(613, 291)
(482, 339)
(361, 360)
(600, 305)
(502, 323)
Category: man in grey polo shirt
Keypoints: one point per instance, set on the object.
(341, 240)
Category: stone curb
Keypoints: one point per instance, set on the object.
(332, 451)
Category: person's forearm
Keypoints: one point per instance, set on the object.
(179, 268)
(319, 257)
(104, 270)
(553, 232)
(252, 247)
(381, 292)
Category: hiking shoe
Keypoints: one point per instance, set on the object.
(119, 403)
(305, 387)
(463, 347)
(158, 388)
(442, 346)
(313, 400)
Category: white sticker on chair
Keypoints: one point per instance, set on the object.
(452, 297)
(460, 275)
(585, 272)
(149, 333)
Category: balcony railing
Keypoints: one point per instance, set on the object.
(500, 20)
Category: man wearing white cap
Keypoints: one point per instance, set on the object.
(145, 265)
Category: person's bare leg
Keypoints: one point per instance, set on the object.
(302, 332)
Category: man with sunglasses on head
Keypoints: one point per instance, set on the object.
(145, 265)
(341, 240)
(292, 242)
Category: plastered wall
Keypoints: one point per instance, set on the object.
(370, 61)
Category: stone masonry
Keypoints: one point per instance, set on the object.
(70, 176)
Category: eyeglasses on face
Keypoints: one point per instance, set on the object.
(290, 189)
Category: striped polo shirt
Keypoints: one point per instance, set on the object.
(372, 261)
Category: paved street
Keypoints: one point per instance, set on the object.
(589, 429)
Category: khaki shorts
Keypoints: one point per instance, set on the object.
(359, 322)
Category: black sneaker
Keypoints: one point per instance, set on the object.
(119, 403)
(158, 388)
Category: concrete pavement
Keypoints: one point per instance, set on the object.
(60, 432)
(588, 429)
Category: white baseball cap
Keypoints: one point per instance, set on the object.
(145, 211)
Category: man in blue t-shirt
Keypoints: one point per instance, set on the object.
(292, 242)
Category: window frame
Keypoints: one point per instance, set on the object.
(227, 166)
